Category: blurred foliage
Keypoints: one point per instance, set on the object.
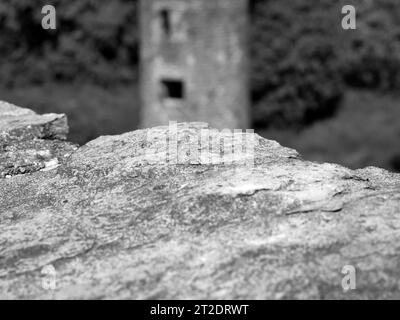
(91, 110)
(364, 132)
(95, 41)
(370, 57)
(302, 60)
(295, 75)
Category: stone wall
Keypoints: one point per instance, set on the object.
(104, 222)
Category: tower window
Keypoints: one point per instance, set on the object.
(173, 89)
(165, 18)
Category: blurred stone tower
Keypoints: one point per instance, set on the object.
(194, 62)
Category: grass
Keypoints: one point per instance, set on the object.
(366, 131)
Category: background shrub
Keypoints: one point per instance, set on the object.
(302, 60)
(96, 41)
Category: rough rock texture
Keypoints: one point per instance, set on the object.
(29, 142)
(115, 225)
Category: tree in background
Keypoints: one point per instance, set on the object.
(302, 61)
(96, 41)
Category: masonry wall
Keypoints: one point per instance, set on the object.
(194, 62)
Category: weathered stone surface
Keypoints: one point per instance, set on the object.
(29, 142)
(115, 225)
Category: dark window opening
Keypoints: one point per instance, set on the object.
(165, 16)
(173, 89)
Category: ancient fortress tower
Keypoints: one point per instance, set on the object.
(194, 62)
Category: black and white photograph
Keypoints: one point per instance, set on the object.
(199, 155)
